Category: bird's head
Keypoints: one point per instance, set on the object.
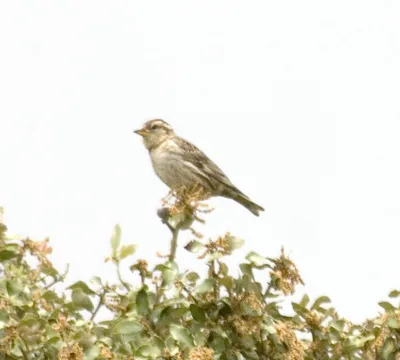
(154, 132)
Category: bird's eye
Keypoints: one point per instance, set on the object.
(154, 127)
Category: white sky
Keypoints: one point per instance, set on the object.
(298, 102)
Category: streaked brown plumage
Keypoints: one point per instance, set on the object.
(179, 163)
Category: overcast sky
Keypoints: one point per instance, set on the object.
(297, 101)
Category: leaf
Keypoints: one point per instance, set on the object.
(337, 325)
(149, 351)
(301, 310)
(181, 335)
(142, 302)
(192, 277)
(170, 272)
(205, 286)
(387, 306)
(81, 300)
(393, 323)
(394, 293)
(83, 286)
(14, 287)
(234, 242)
(50, 295)
(256, 259)
(359, 342)
(198, 313)
(194, 246)
(246, 269)
(96, 280)
(128, 327)
(127, 250)
(305, 300)
(7, 254)
(388, 348)
(321, 300)
(115, 240)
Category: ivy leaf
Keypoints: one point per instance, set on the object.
(128, 327)
(127, 250)
(181, 335)
(142, 302)
(115, 240)
(81, 300)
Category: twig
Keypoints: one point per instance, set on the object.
(174, 244)
(125, 284)
(101, 301)
(59, 279)
(267, 291)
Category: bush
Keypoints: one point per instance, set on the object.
(175, 313)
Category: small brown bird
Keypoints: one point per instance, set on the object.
(178, 163)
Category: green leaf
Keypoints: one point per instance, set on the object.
(149, 351)
(394, 293)
(14, 287)
(387, 306)
(127, 250)
(7, 254)
(205, 286)
(305, 300)
(169, 272)
(234, 242)
(256, 259)
(81, 300)
(388, 348)
(128, 327)
(181, 335)
(246, 269)
(198, 313)
(50, 295)
(142, 302)
(393, 323)
(337, 325)
(194, 246)
(83, 286)
(115, 240)
(301, 310)
(192, 277)
(321, 300)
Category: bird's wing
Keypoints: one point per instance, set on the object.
(203, 164)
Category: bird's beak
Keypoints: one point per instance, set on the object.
(142, 132)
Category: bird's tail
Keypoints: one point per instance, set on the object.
(242, 199)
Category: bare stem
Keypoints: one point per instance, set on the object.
(125, 284)
(59, 279)
(101, 302)
(174, 244)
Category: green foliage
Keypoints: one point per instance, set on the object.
(172, 313)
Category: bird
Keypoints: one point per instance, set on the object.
(179, 163)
